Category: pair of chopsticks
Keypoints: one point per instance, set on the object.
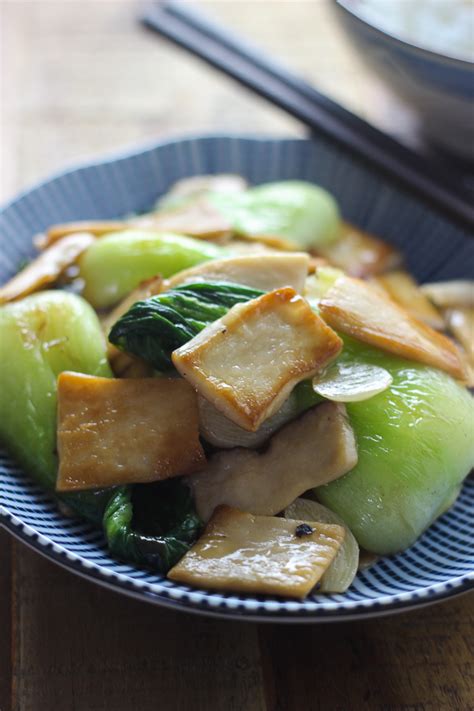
(193, 31)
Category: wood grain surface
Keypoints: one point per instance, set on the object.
(80, 78)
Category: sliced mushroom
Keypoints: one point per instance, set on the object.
(97, 228)
(47, 268)
(200, 185)
(356, 308)
(259, 554)
(218, 430)
(447, 294)
(249, 361)
(126, 365)
(404, 290)
(198, 218)
(113, 432)
(272, 241)
(359, 253)
(309, 452)
(262, 271)
(241, 247)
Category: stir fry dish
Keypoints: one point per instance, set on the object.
(243, 391)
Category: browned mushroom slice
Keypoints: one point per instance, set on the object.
(403, 289)
(308, 452)
(272, 241)
(259, 554)
(248, 361)
(356, 308)
(46, 268)
(114, 432)
(451, 294)
(126, 365)
(263, 271)
(359, 253)
(198, 218)
(243, 247)
(92, 227)
(200, 185)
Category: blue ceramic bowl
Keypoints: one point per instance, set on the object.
(439, 88)
(441, 563)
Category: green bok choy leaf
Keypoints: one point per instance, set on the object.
(153, 524)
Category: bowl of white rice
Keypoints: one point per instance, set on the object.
(425, 50)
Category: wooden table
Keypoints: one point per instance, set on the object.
(80, 78)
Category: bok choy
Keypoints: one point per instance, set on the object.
(152, 525)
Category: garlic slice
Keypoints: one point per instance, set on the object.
(352, 382)
(445, 294)
(342, 571)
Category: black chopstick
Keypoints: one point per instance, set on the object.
(191, 31)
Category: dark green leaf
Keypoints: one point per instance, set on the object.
(89, 504)
(153, 524)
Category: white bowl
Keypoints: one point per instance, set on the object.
(439, 88)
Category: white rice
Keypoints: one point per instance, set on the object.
(444, 26)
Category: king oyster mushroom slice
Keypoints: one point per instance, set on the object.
(360, 310)
(360, 253)
(199, 185)
(259, 554)
(46, 268)
(197, 218)
(218, 430)
(247, 362)
(260, 271)
(308, 452)
(116, 431)
(403, 289)
(96, 228)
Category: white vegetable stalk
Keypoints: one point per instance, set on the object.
(225, 434)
